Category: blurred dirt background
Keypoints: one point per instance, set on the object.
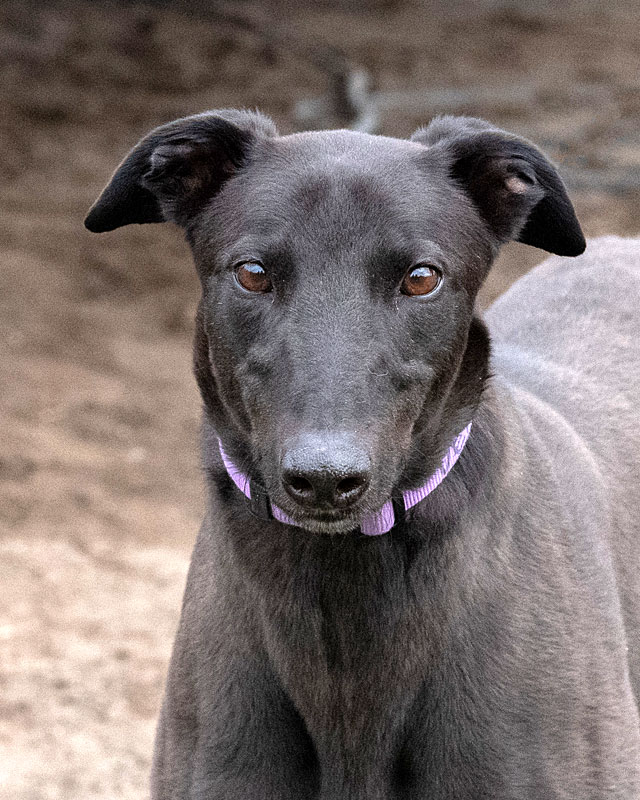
(100, 490)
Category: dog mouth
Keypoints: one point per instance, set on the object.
(332, 522)
(332, 525)
(329, 521)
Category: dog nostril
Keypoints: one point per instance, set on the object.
(351, 484)
(323, 487)
(300, 486)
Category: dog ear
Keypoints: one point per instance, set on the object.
(516, 189)
(176, 168)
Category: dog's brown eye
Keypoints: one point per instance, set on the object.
(421, 280)
(252, 277)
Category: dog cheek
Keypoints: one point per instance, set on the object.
(255, 402)
(405, 417)
(411, 376)
(258, 384)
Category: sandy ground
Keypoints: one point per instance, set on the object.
(100, 490)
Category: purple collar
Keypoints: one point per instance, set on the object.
(372, 525)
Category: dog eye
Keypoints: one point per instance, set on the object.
(421, 280)
(252, 277)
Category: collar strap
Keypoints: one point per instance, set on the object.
(373, 524)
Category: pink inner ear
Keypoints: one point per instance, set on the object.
(515, 184)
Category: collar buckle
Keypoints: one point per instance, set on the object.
(399, 512)
(259, 502)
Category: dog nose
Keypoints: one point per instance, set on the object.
(325, 472)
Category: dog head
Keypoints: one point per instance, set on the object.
(337, 349)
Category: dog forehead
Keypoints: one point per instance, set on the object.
(342, 178)
(345, 159)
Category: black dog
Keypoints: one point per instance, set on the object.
(486, 644)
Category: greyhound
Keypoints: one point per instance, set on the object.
(416, 577)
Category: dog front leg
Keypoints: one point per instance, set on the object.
(231, 734)
(252, 743)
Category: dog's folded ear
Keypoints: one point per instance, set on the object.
(516, 189)
(176, 168)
